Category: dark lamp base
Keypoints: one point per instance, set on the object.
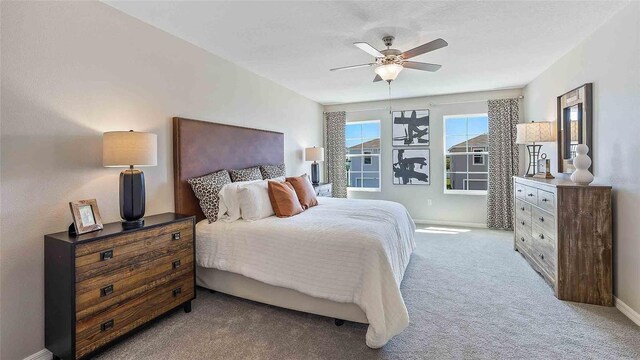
(132, 195)
(127, 225)
(315, 173)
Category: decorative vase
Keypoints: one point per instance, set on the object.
(582, 161)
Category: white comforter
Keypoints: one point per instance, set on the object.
(345, 250)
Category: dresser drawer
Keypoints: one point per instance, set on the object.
(543, 250)
(95, 258)
(523, 210)
(531, 195)
(97, 330)
(100, 292)
(523, 240)
(545, 221)
(546, 200)
(523, 221)
(520, 191)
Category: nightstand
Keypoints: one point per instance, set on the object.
(323, 189)
(103, 285)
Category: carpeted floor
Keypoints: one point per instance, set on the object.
(469, 296)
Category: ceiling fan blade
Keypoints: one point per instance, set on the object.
(377, 78)
(352, 67)
(421, 66)
(368, 49)
(425, 48)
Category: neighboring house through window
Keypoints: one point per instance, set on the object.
(466, 154)
(363, 155)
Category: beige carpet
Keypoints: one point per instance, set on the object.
(469, 296)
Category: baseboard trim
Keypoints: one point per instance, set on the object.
(627, 310)
(450, 223)
(43, 354)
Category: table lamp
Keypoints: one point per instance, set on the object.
(532, 133)
(314, 154)
(129, 149)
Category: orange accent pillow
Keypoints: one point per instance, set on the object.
(284, 199)
(304, 190)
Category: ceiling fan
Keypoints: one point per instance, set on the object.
(391, 61)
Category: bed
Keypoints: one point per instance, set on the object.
(343, 258)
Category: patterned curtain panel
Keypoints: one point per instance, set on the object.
(335, 152)
(503, 162)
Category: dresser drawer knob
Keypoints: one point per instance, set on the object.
(541, 219)
(522, 238)
(541, 236)
(544, 200)
(522, 208)
(519, 190)
(106, 325)
(542, 256)
(106, 255)
(522, 222)
(177, 291)
(176, 264)
(175, 235)
(107, 290)
(531, 194)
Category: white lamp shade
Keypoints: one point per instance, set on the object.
(388, 72)
(126, 148)
(544, 131)
(314, 154)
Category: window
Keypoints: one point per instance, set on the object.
(362, 142)
(466, 148)
(478, 159)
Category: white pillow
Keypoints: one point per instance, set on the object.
(254, 200)
(229, 205)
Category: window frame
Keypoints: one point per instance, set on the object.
(467, 153)
(364, 156)
(481, 156)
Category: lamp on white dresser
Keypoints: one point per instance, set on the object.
(532, 133)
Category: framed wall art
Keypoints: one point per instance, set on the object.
(411, 167)
(410, 128)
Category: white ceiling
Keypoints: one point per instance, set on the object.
(492, 45)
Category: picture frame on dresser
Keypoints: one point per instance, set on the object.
(86, 216)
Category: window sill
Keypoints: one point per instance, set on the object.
(364, 189)
(466, 192)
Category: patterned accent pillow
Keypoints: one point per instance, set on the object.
(248, 174)
(207, 188)
(273, 171)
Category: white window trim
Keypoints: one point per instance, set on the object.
(444, 145)
(379, 172)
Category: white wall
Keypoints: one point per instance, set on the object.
(71, 71)
(445, 208)
(610, 58)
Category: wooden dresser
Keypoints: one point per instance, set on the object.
(323, 189)
(564, 231)
(102, 285)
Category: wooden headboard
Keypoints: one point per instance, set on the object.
(201, 147)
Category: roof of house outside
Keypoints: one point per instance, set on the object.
(371, 144)
(478, 141)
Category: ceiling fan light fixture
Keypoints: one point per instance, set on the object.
(388, 72)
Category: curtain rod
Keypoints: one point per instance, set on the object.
(472, 101)
(429, 104)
